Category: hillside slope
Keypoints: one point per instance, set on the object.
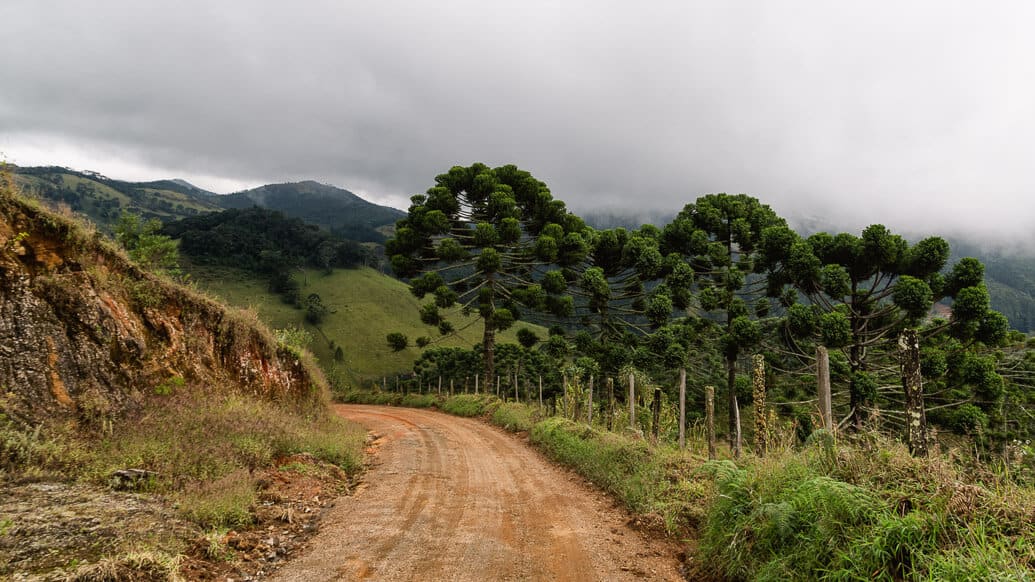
(365, 305)
(84, 331)
(102, 199)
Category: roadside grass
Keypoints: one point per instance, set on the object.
(470, 404)
(138, 565)
(854, 509)
(201, 447)
(514, 417)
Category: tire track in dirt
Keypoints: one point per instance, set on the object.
(449, 498)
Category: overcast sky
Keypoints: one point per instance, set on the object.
(920, 115)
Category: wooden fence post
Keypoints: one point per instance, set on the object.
(540, 392)
(589, 415)
(564, 392)
(823, 387)
(515, 385)
(440, 385)
(761, 427)
(476, 383)
(497, 385)
(912, 381)
(738, 437)
(656, 414)
(610, 403)
(682, 408)
(632, 401)
(709, 415)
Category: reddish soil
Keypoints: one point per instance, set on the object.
(449, 498)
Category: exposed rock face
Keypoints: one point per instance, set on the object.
(85, 332)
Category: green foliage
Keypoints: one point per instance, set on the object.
(295, 338)
(145, 245)
(527, 338)
(397, 341)
(315, 311)
(169, 386)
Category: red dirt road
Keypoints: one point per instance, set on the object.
(450, 498)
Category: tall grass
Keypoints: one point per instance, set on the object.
(203, 449)
(193, 437)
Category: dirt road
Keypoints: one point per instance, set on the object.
(450, 498)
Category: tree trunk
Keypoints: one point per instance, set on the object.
(855, 400)
(489, 348)
(916, 418)
(736, 452)
(758, 394)
(682, 408)
(823, 387)
(540, 392)
(515, 385)
(734, 409)
(709, 415)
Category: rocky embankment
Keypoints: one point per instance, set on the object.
(84, 332)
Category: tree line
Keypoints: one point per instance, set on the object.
(727, 278)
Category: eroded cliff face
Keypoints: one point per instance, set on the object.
(87, 334)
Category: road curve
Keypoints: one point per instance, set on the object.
(449, 498)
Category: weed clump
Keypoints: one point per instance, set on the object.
(513, 416)
(470, 404)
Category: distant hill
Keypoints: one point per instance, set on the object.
(335, 209)
(103, 199)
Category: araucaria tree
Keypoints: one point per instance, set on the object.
(863, 291)
(484, 238)
(719, 235)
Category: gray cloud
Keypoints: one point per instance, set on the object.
(914, 114)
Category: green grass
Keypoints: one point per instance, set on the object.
(513, 416)
(366, 304)
(470, 404)
(226, 503)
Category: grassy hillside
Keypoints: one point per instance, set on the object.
(103, 199)
(366, 306)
